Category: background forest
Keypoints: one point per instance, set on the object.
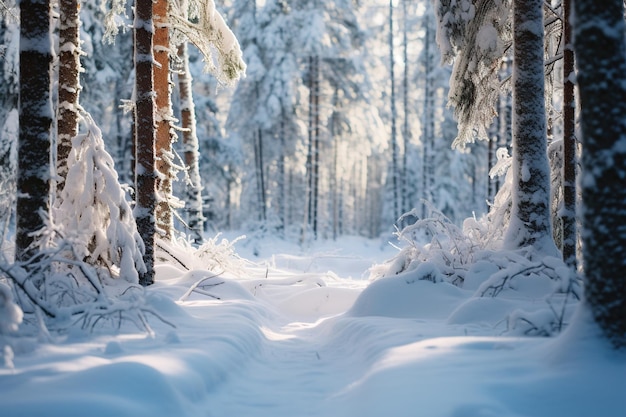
(350, 158)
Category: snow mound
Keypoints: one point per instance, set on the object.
(408, 295)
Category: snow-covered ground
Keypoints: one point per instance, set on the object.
(305, 333)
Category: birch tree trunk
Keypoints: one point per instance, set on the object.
(601, 57)
(530, 214)
(35, 120)
(145, 134)
(69, 86)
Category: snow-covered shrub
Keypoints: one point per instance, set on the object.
(472, 258)
(92, 212)
(56, 290)
(215, 255)
(450, 249)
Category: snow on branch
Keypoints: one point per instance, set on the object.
(203, 26)
(474, 35)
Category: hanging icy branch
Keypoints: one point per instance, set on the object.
(208, 31)
(113, 19)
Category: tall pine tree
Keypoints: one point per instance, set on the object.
(35, 118)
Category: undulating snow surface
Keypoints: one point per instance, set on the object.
(298, 334)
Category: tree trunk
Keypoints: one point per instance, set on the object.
(193, 193)
(145, 134)
(406, 129)
(35, 120)
(282, 161)
(504, 110)
(394, 115)
(530, 218)
(260, 175)
(428, 129)
(601, 57)
(568, 218)
(316, 144)
(68, 87)
(164, 139)
(312, 162)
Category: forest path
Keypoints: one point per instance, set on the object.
(304, 367)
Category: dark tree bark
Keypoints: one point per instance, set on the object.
(530, 218)
(35, 119)
(312, 161)
(568, 218)
(601, 57)
(69, 86)
(145, 134)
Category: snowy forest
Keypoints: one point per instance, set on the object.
(306, 207)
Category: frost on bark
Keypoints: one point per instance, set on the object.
(530, 218)
(601, 57)
(193, 193)
(145, 171)
(68, 87)
(35, 120)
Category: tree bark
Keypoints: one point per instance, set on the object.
(312, 161)
(193, 194)
(406, 128)
(601, 57)
(69, 86)
(568, 218)
(164, 138)
(145, 134)
(530, 218)
(395, 184)
(428, 129)
(35, 120)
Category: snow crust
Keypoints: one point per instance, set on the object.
(303, 333)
